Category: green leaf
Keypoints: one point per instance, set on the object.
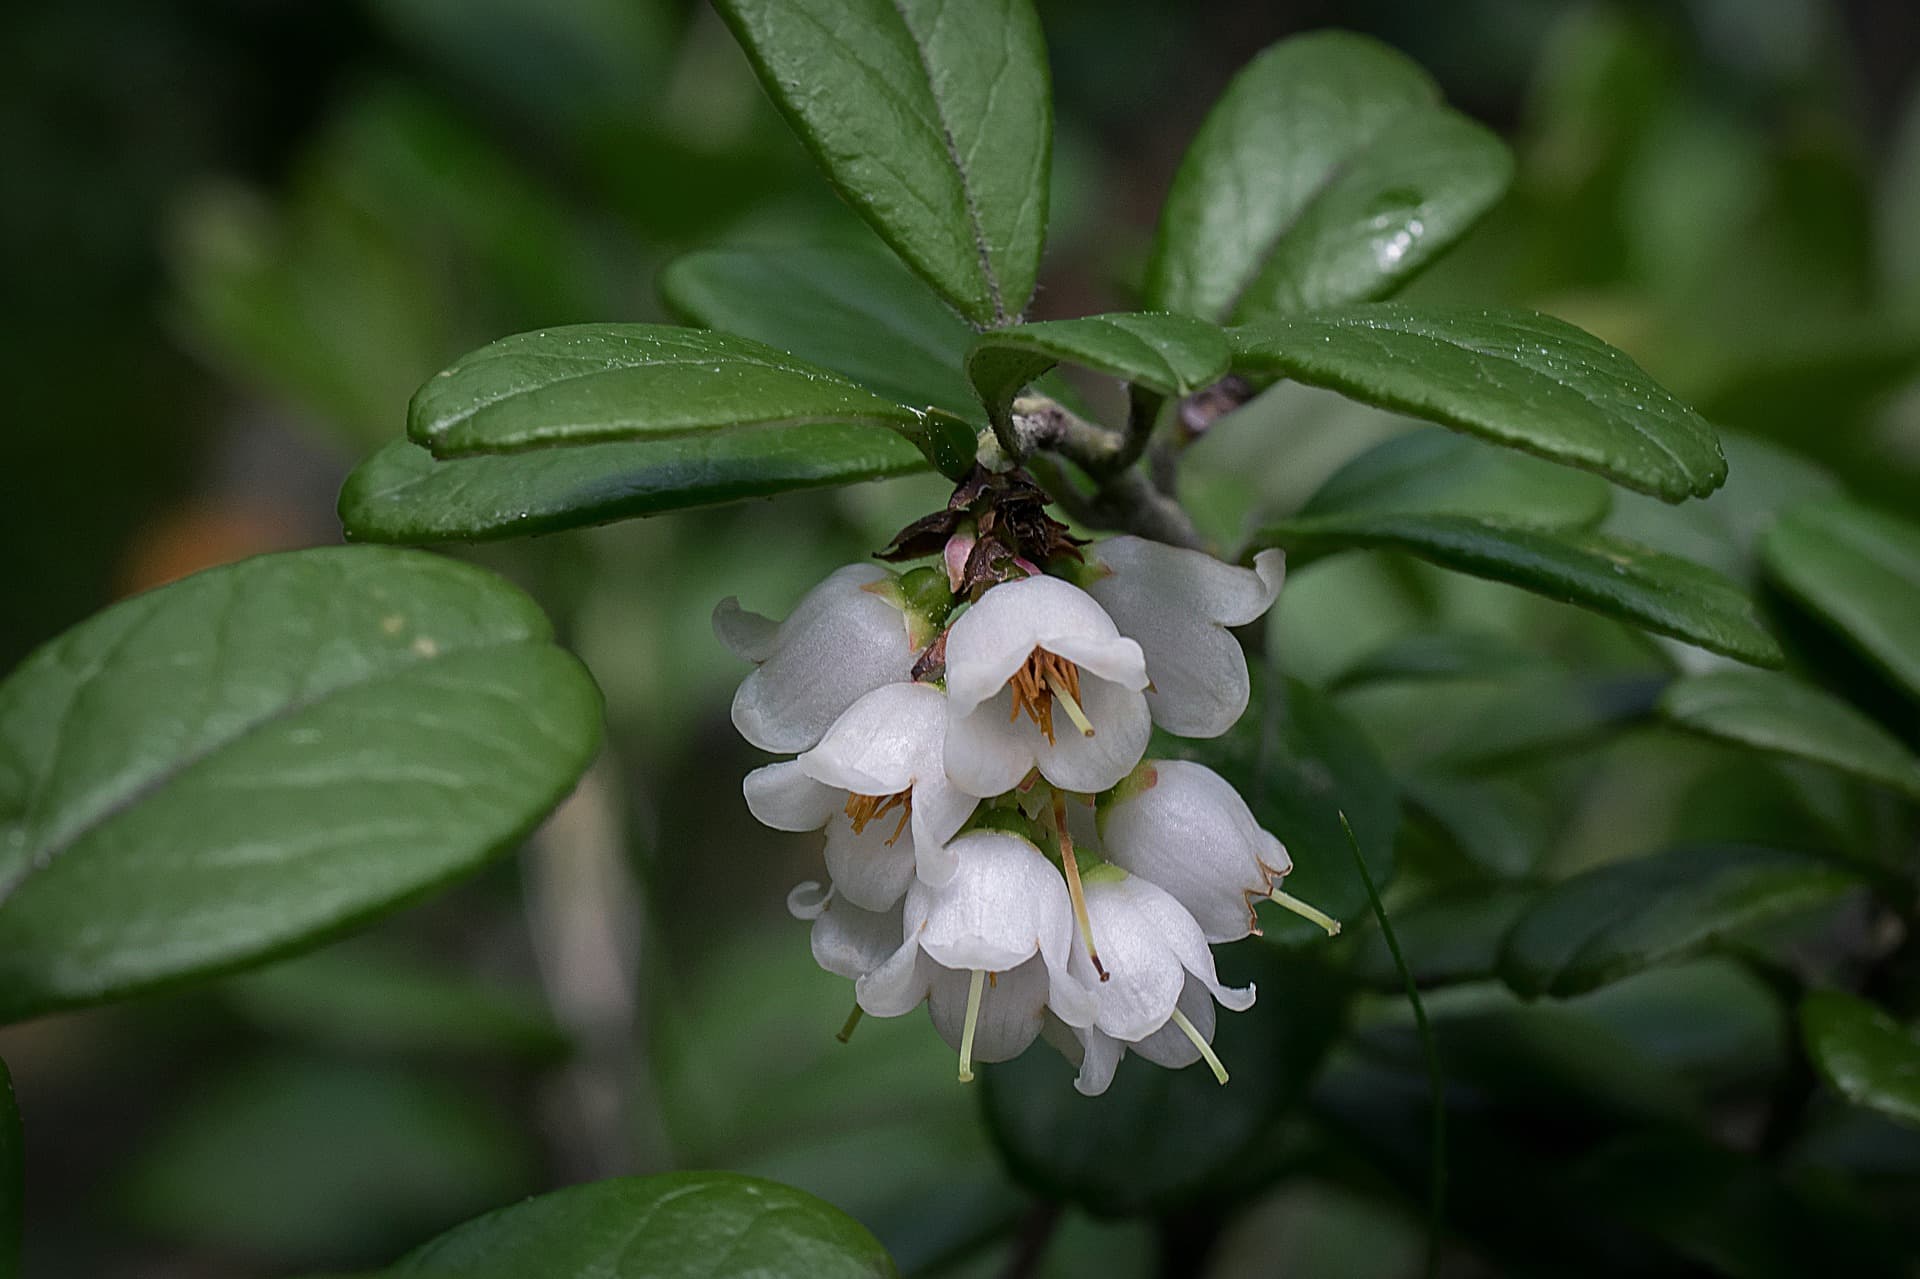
(682, 1225)
(934, 120)
(1863, 1054)
(1170, 354)
(1517, 378)
(259, 756)
(1860, 570)
(1299, 762)
(1159, 1138)
(1773, 712)
(404, 494)
(1433, 473)
(1617, 919)
(307, 1162)
(598, 383)
(1327, 173)
(12, 1178)
(1613, 578)
(857, 312)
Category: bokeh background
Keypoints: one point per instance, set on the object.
(240, 232)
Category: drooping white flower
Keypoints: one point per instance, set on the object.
(1177, 603)
(1185, 828)
(988, 950)
(882, 757)
(847, 941)
(847, 636)
(1025, 656)
(1161, 987)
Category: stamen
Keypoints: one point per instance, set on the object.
(1300, 908)
(1071, 707)
(853, 1019)
(862, 809)
(1043, 679)
(1075, 892)
(973, 1017)
(1206, 1049)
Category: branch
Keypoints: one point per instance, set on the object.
(1123, 498)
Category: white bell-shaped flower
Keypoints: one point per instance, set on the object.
(1039, 676)
(875, 782)
(988, 950)
(847, 941)
(1185, 828)
(1161, 984)
(1177, 604)
(847, 636)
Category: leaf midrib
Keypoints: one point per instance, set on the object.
(968, 200)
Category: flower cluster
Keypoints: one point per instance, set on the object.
(971, 737)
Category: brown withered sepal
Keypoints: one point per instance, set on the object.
(1010, 523)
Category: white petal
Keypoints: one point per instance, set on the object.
(994, 637)
(1102, 1057)
(1121, 730)
(986, 753)
(809, 899)
(1012, 1009)
(882, 742)
(1169, 1045)
(748, 636)
(1004, 902)
(850, 942)
(841, 641)
(1189, 832)
(785, 798)
(1175, 602)
(1144, 974)
(1114, 658)
(940, 809)
(897, 985)
(865, 869)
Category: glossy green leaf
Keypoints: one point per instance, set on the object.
(599, 383)
(1863, 1054)
(1433, 473)
(1328, 173)
(1615, 579)
(1167, 353)
(404, 494)
(12, 1178)
(262, 755)
(681, 1225)
(933, 119)
(1517, 378)
(1617, 919)
(1398, 205)
(1773, 712)
(857, 312)
(1299, 762)
(1159, 1138)
(1859, 569)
